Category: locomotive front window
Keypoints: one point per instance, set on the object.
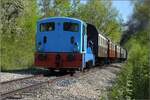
(50, 26)
(73, 27)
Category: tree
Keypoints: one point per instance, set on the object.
(18, 19)
(103, 16)
(136, 40)
(50, 8)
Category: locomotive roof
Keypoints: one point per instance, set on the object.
(44, 19)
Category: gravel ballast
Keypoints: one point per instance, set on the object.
(91, 86)
(5, 76)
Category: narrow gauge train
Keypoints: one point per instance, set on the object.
(71, 44)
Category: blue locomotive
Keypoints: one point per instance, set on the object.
(61, 43)
(69, 43)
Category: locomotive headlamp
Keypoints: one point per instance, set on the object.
(75, 44)
(39, 46)
(76, 47)
(72, 40)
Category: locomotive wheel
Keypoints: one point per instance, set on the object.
(52, 71)
(89, 64)
(72, 72)
(63, 71)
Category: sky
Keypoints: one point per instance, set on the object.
(124, 7)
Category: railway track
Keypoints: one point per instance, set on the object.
(17, 86)
(12, 87)
(19, 79)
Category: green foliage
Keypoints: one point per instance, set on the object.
(140, 70)
(55, 8)
(99, 13)
(18, 31)
(133, 81)
(103, 16)
(121, 90)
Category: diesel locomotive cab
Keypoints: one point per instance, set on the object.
(58, 35)
(61, 43)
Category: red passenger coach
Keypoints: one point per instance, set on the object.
(111, 51)
(58, 60)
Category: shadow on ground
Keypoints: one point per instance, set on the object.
(46, 72)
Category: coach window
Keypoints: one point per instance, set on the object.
(73, 27)
(44, 27)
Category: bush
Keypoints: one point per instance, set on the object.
(133, 81)
(17, 33)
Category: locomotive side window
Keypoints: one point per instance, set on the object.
(44, 27)
(73, 27)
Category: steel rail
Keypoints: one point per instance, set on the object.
(10, 93)
(20, 79)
